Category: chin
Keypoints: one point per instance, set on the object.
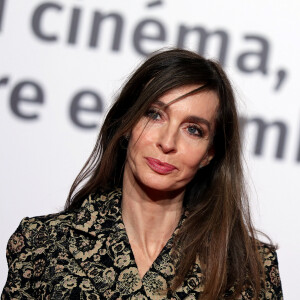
(160, 185)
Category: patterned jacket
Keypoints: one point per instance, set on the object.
(86, 255)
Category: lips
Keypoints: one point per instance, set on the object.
(159, 166)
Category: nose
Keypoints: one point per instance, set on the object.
(167, 140)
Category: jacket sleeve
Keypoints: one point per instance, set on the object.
(21, 266)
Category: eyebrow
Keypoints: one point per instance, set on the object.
(191, 119)
(195, 119)
(160, 104)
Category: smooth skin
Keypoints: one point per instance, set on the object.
(178, 135)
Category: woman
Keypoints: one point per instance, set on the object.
(159, 210)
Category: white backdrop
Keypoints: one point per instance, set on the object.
(62, 62)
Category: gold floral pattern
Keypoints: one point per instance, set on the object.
(16, 243)
(129, 281)
(86, 254)
(155, 285)
(38, 267)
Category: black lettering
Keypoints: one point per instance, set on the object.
(97, 21)
(37, 20)
(203, 37)
(261, 131)
(2, 7)
(261, 56)
(76, 13)
(281, 76)
(78, 107)
(18, 98)
(4, 80)
(140, 35)
(154, 3)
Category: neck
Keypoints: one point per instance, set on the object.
(150, 217)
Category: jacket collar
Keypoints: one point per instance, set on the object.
(97, 227)
(99, 213)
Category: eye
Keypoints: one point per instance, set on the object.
(195, 130)
(153, 114)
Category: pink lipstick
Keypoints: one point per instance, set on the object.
(159, 166)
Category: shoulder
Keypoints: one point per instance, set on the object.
(42, 231)
(34, 232)
(273, 289)
(28, 253)
(35, 224)
(268, 253)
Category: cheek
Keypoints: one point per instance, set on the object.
(193, 149)
(142, 135)
(192, 162)
(137, 145)
(191, 165)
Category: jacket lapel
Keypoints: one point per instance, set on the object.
(98, 241)
(99, 244)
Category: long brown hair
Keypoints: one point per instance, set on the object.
(218, 230)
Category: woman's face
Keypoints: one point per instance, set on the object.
(167, 146)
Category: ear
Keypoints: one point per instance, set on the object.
(208, 157)
(127, 136)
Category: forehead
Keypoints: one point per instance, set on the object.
(203, 103)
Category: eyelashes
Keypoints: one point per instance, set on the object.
(153, 114)
(191, 129)
(195, 130)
